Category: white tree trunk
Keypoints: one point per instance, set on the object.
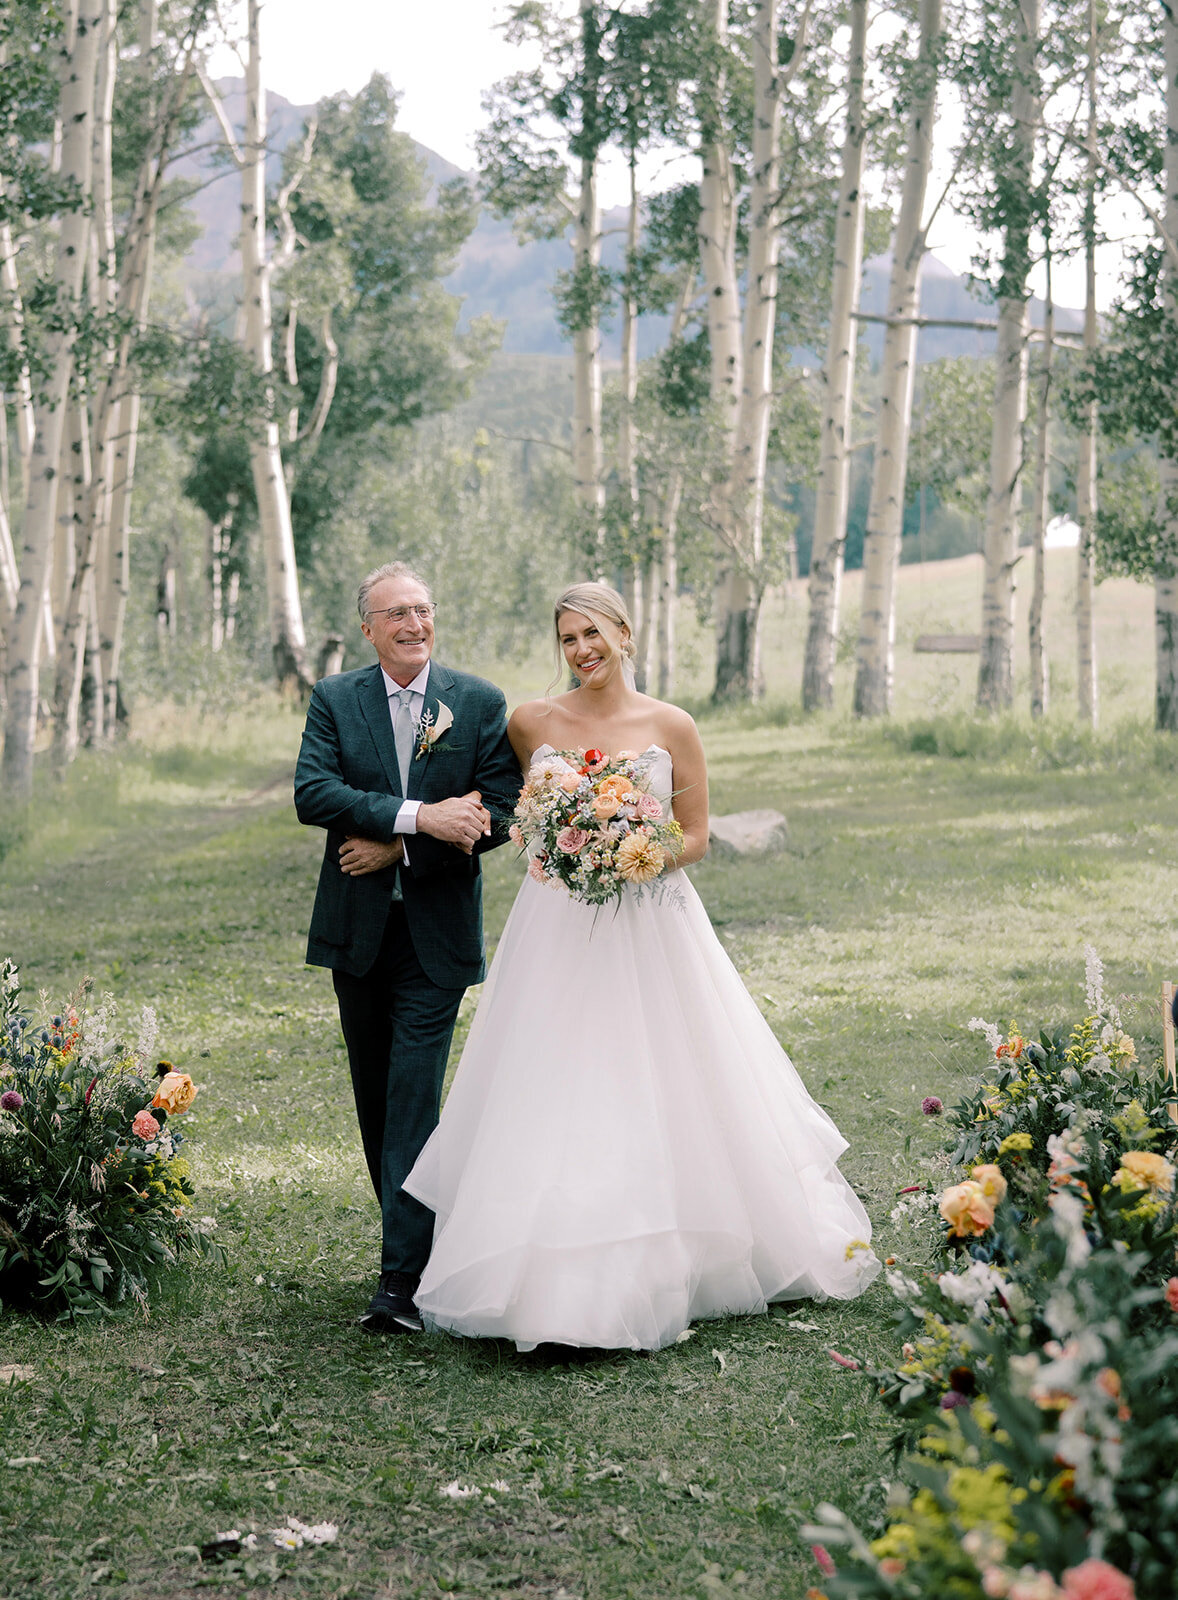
(742, 353)
(1086, 482)
(588, 482)
(636, 591)
(78, 61)
(1166, 574)
(830, 511)
(1000, 547)
(1039, 497)
(287, 638)
(875, 666)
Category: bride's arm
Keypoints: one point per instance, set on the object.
(690, 804)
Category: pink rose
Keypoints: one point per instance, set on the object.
(1096, 1580)
(648, 806)
(571, 840)
(1172, 1295)
(145, 1126)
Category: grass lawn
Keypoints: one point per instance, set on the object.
(937, 871)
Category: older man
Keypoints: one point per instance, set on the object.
(407, 765)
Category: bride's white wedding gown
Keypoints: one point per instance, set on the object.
(626, 1147)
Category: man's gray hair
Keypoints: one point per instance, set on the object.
(390, 569)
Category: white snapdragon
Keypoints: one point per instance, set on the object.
(974, 1287)
(992, 1032)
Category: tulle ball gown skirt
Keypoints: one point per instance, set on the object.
(626, 1147)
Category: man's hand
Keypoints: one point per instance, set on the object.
(360, 856)
(462, 821)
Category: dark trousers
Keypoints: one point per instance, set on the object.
(397, 1026)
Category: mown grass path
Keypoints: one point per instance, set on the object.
(919, 890)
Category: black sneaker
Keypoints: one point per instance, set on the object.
(391, 1309)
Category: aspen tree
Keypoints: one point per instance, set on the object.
(830, 515)
(875, 658)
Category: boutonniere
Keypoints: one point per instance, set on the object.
(429, 731)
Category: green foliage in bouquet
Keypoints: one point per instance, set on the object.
(95, 1198)
(1038, 1383)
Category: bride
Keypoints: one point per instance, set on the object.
(626, 1147)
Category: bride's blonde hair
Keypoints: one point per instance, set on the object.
(596, 600)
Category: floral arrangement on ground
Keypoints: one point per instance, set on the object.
(95, 1197)
(591, 824)
(1037, 1375)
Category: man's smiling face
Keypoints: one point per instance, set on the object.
(402, 636)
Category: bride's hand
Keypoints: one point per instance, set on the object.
(360, 856)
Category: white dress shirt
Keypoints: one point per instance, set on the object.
(407, 816)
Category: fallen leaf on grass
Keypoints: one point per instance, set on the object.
(803, 1327)
(17, 1374)
(25, 1461)
(682, 1338)
(720, 1359)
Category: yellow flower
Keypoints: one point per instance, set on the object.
(175, 1093)
(1142, 1169)
(1015, 1143)
(640, 857)
(992, 1182)
(967, 1209)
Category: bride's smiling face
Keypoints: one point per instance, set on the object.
(592, 646)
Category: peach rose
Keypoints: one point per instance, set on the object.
(1142, 1169)
(570, 783)
(617, 783)
(175, 1093)
(992, 1182)
(145, 1126)
(606, 806)
(967, 1210)
(1172, 1295)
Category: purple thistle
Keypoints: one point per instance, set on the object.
(11, 1100)
(932, 1106)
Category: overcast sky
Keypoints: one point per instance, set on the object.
(440, 56)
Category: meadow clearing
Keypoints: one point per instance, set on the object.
(939, 868)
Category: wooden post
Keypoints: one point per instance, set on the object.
(1168, 1041)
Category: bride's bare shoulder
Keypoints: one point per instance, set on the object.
(529, 725)
(675, 725)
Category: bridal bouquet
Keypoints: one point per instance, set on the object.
(592, 824)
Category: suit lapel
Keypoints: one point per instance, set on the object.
(374, 703)
(439, 687)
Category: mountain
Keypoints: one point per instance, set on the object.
(513, 282)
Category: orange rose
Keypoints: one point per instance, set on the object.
(616, 784)
(175, 1093)
(967, 1209)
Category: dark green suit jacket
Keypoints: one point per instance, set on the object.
(347, 781)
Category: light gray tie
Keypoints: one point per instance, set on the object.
(403, 736)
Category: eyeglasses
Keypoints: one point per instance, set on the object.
(399, 614)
